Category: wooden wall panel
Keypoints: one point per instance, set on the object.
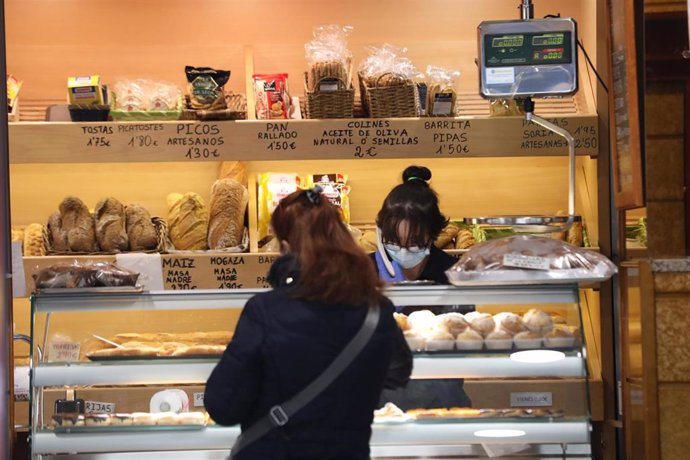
(48, 41)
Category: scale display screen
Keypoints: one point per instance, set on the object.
(530, 58)
(528, 49)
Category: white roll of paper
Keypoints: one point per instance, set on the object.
(169, 401)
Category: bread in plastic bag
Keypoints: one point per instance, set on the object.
(529, 259)
(108, 274)
(83, 275)
(65, 275)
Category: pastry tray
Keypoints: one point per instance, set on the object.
(92, 290)
(151, 357)
(124, 428)
(492, 353)
(485, 418)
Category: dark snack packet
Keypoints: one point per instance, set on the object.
(206, 87)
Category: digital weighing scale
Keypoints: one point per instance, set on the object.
(525, 59)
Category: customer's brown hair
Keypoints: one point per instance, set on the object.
(332, 267)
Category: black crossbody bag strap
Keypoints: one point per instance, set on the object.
(280, 414)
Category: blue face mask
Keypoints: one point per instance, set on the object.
(407, 257)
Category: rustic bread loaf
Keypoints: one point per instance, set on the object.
(58, 235)
(140, 230)
(229, 200)
(110, 225)
(187, 221)
(79, 225)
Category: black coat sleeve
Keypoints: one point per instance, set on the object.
(400, 368)
(234, 385)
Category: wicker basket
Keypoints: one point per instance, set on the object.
(389, 101)
(236, 110)
(329, 104)
(161, 233)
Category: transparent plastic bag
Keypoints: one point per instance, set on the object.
(387, 59)
(328, 58)
(329, 44)
(529, 259)
(77, 274)
(142, 95)
(440, 94)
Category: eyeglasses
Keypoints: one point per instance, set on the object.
(397, 247)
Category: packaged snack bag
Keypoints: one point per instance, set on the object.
(271, 95)
(273, 187)
(335, 188)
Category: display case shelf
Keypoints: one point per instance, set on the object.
(193, 371)
(237, 298)
(386, 440)
(362, 138)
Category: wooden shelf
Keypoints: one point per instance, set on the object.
(362, 138)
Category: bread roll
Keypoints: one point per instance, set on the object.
(140, 230)
(58, 235)
(446, 236)
(33, 241)
(464, 239)
(187, 221)
(229, 200)
(110, 226)
(79, 225)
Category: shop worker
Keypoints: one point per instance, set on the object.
(407, 226)
(309, 358)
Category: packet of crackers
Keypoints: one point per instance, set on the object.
(335, 189)
(273, 187)
(271, 95)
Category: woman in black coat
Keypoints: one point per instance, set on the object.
(286, 338)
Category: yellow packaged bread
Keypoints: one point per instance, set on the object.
(33, 241)
(187, 221)
(273, 187)
(85, 90)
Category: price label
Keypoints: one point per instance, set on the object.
(97, 407)
(528, 262)
(198, 400)
(21, 383)
(64, 351)
(531, 399)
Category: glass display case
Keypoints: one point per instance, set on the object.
(106, 365)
